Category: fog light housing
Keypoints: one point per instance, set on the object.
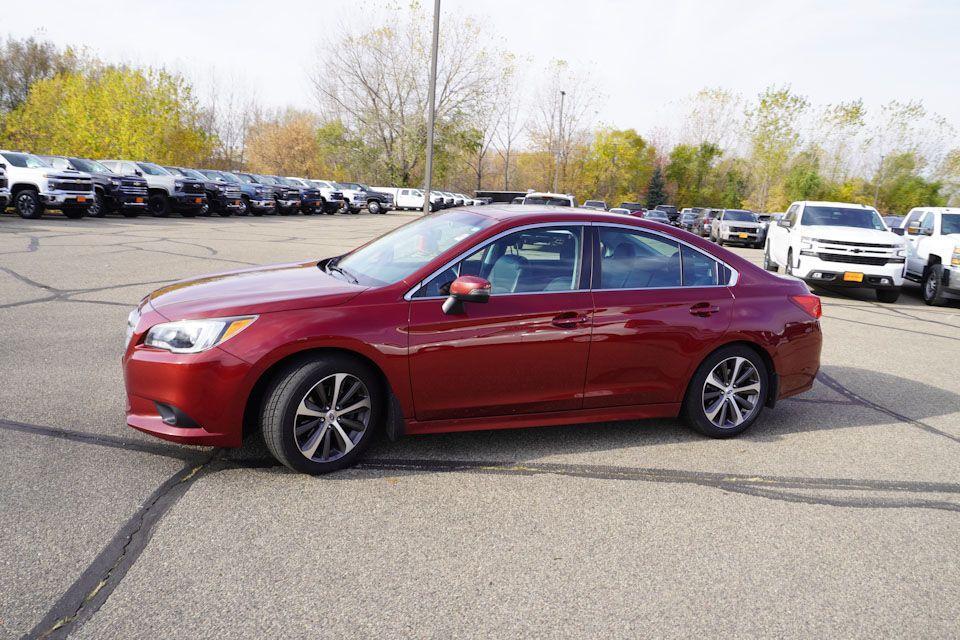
(174, 416)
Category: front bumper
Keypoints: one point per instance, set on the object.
(734, 237)
(189, 201)
(121, 200)
(816, 271)
(201, 387)
(68, 198)
(266, 204)
(288, 204)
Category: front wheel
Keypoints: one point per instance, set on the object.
(374, 207)
(97, 208)
(789, 268)
(888, 295)
(727, 393)
(932, 289)
(28, 204)
(769, 264)
(320, 415)
(158, 205)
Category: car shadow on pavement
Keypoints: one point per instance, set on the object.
(843, 397)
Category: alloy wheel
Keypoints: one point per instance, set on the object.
(332, 417)
(930, 287)
(26, 204)
(731, 393)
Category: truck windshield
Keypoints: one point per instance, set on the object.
(950, 224)
(739, 216)
(348, 185)
(153, 169)
(398, 254)
(842, 217)
(246, 179)
(90, 166)
(25, 160)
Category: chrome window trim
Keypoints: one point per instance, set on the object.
(734, 274)
(469, 252)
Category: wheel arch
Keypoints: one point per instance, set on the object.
(394, 419)
(23, 186)
(773, 381)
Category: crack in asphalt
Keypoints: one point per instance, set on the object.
(885, 326)
(98, 581)
(65, 295)
(834, 384)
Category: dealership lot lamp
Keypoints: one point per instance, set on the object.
(432, 107)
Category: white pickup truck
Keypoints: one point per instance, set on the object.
(36, 186)
(837, 244)
(933, 252)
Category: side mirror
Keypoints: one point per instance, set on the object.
(784, 223)
(913, 229)
(137, 172)
(898, 230)
(466, 289)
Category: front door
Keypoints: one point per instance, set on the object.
(524, 351)
(661, 307)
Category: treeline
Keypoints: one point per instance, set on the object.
(500, 125)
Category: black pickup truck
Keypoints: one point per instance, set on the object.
(113, 193)
(288, 198)
(223, 198)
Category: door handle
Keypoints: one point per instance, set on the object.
(569, 320)
(704, 309)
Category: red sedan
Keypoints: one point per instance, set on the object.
(471, 319)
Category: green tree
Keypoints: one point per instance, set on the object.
(112, 112)
(803, 181)
(689, 170)
(656, 190)
(903, 188)
(617, 166)
(773, 126)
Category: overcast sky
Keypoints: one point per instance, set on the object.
(646, 56)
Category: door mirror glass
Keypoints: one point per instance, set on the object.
(466, 289)
(914, 228)
(784, 223)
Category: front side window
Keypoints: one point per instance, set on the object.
(842, 217)
(950, 223)
(637, 260)
(538, 260)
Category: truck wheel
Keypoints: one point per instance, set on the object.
(28, 204)
(933, 285)
(158, 205)
(888, 295)
(769, 264)
(244, 207)
(374, 207)
(97, 209)
(74, 213)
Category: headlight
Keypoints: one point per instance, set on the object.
(955, 259)
(901, 252)
(806, 243)
(258, 191)
(178, 185)
(194, 336)
(115, 182)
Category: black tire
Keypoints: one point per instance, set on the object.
(769, 264)
(789, 268)
(693, 411)
(28, 205)
(225, 212)
(98, 209)
(74, 213)
(719, 241)
(290, 386)
(158, 205)
(932, 287)
(888, 296)
(374, 207)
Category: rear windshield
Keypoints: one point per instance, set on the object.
(842, 217)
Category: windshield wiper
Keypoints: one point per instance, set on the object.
(332, 266)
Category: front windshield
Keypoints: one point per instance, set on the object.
(348, 185)
(26, 161)
(153, 169)
(266, 180)
(90, 166)
(193, 173)
(398, 254)
(246, 179)
(950, 223)
(739, 216)
(553, 202)
(842, 217)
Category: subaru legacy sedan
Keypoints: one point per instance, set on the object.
(476, 318)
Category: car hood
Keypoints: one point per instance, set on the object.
(851, 234)
(280, 287)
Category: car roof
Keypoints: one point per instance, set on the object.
(827, 203)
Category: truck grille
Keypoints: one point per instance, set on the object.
(193, 187)
(853, 259)
(743, 230)
(72, 185)
(232, 191)
(336, 195)
(857, 244)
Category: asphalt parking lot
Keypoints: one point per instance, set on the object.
(837, 515)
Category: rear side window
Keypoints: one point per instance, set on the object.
(637, 260)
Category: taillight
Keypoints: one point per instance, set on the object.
(809, 303)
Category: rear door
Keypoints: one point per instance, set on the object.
(660, 307)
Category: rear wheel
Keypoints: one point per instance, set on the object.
(374, 207)
(769, 264)
(320, 415)
(97, 209)
(932, 289)
(244, 207)
(28, 205)
(727, 392)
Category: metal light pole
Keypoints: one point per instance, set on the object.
(432, 108)
(556, 171)
(876, 190)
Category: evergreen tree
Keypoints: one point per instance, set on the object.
(656, 193)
